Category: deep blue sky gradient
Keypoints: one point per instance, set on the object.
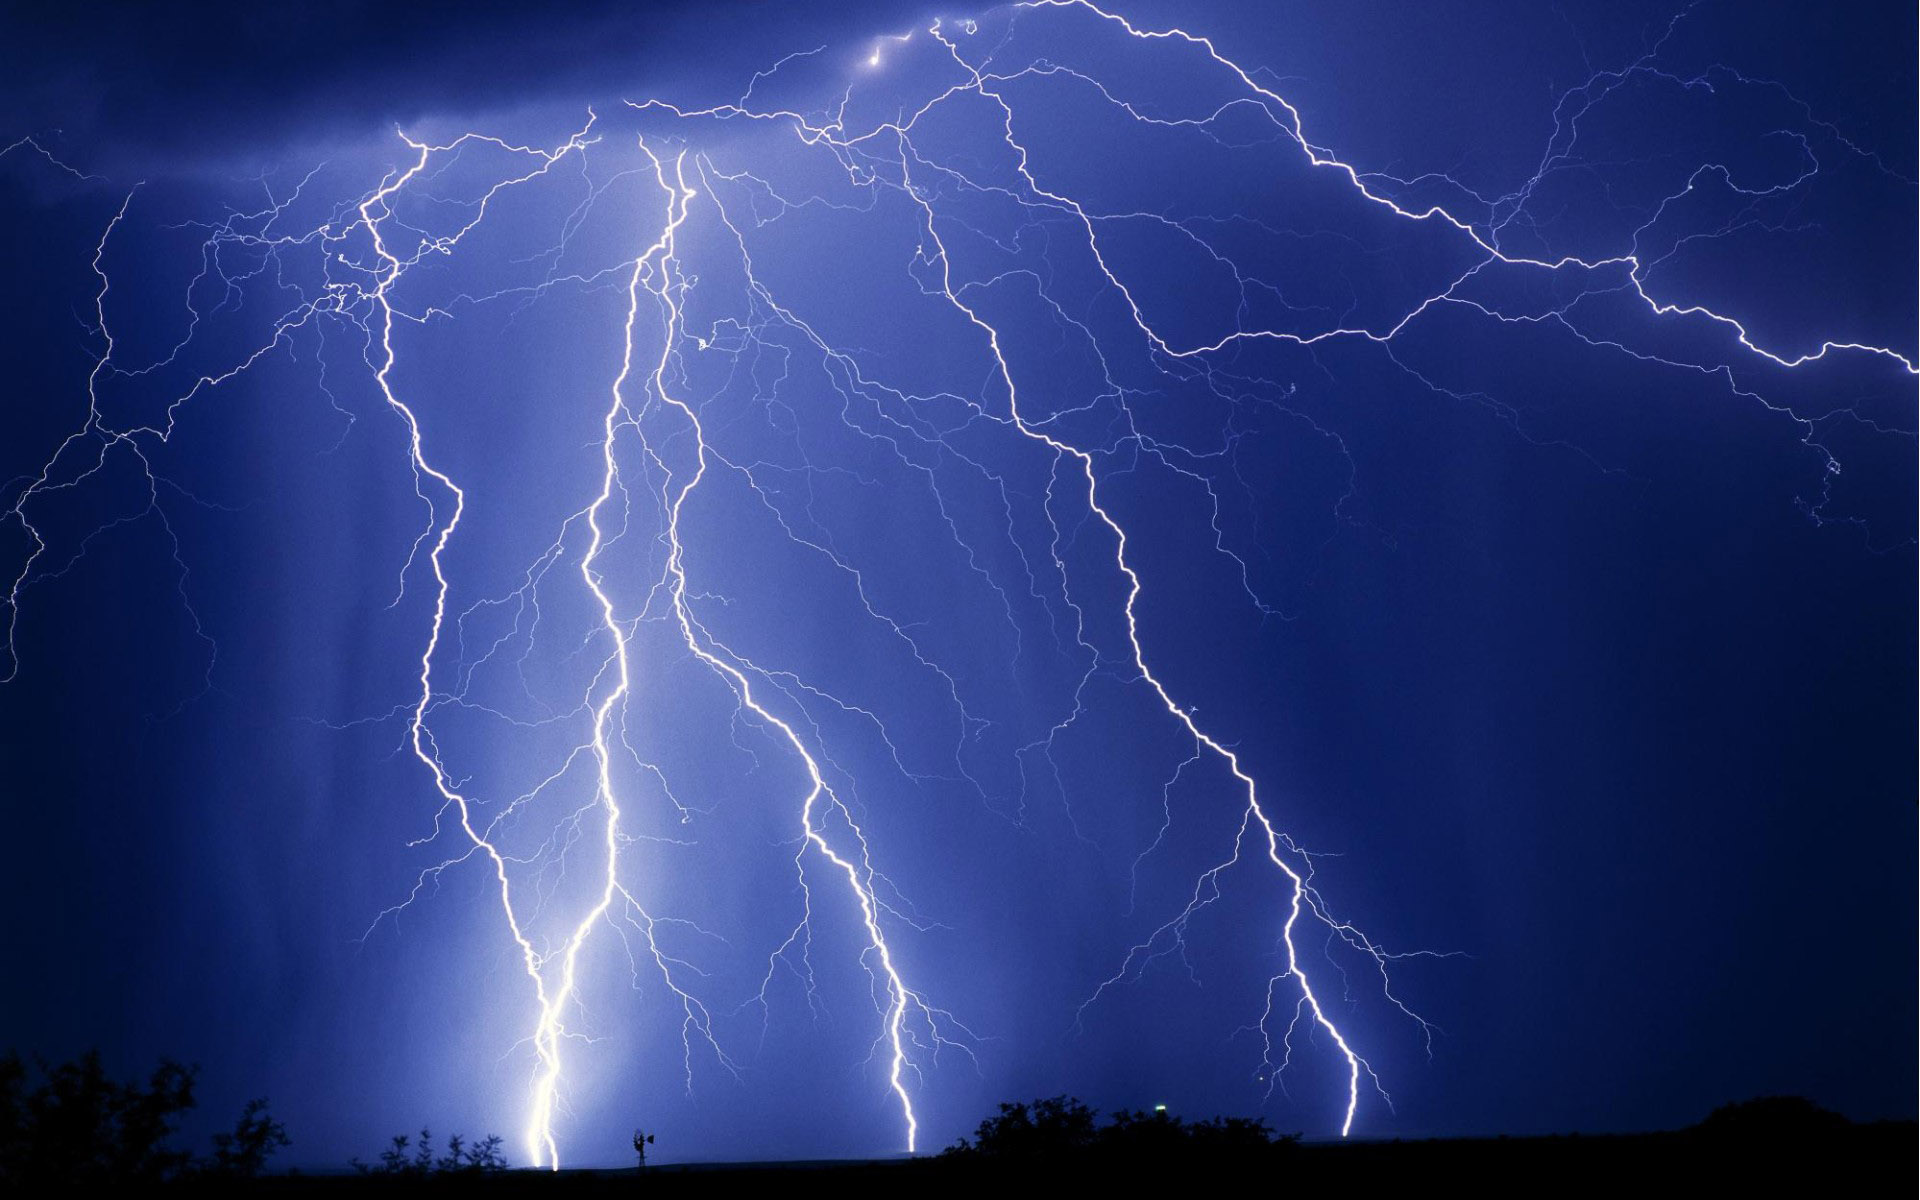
(1581, 664)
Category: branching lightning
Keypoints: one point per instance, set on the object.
(665, 444)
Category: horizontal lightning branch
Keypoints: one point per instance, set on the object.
(732, 389)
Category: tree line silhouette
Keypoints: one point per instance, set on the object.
(72, 1123)
(76, 1124)
(1063, 1130)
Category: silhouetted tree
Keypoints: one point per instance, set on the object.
(1157, 1135)
(1063, 1129)
(255, 1138)
(1232, 1135)
(1043, 1129)
(408, 1157)
(483, 1155)
(79, 1126)
(396, 1159)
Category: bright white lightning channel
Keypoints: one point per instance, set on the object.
(649, 408)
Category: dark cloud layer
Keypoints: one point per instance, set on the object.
(144, 87)
(1625, 725)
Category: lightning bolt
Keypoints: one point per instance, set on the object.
(1257, 822)
(661, 446)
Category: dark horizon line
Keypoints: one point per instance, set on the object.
(1304, 1142)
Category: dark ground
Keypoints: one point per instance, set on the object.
(1859, 1160)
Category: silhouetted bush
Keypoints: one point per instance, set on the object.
(406, 1157)
(1229, 1135)
(78, 1126)
(243, 1153)
(1044, 1128)
(1062, 1128)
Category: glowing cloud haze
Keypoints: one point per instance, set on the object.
(799, 615)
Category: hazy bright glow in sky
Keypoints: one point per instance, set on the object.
(1517, 479)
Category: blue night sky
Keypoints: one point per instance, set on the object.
(872, 519)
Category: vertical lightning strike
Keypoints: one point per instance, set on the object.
(1296, 869)
(900, 998)
(552, 997)
(1254, 811)
(1301, 897)
(826, 818)
(546, 1035)
(542, 1147)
